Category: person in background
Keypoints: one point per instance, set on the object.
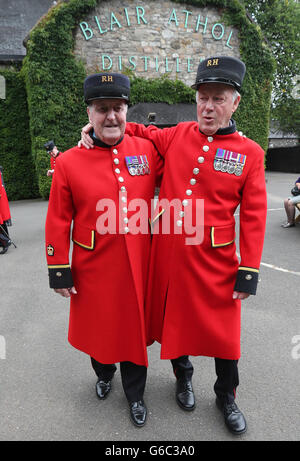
(53, 151)
(290, 207)
(5, 217)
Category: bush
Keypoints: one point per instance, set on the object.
(15, 144)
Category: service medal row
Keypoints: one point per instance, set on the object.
(229, 162)
(137, 165)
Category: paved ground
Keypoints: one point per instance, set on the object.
(47, 387)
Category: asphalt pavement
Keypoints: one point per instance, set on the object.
(47, 388)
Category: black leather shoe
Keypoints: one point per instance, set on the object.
(234, 418)
(138, 413)
(4, 250)
(185, 394)
(103, 389)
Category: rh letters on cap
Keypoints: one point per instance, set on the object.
(106, 78)
(212, 62)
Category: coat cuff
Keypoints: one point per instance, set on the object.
(60, 276)
(247, 280)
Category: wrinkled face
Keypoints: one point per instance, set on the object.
(108, 117)
(215, 106)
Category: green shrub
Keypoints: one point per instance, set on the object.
(15, 144)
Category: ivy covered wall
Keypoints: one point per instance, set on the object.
(15, 143)
(54, 80)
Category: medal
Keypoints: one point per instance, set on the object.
(230, 168)
(147, 168)
(232, 162)
(218, 159)
(240, 165)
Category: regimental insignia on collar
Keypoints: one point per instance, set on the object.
(137, 165)
(229, 162)
(50, 250)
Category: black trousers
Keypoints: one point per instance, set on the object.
(133, 377)
(226, 370)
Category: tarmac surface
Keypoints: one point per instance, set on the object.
(47, 388)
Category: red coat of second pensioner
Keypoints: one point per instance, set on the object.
(190, 309)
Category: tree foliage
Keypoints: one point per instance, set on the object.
(279, 21)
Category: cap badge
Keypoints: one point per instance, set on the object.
(107, 79)
(212, 62)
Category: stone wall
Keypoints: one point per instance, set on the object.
(152, 38)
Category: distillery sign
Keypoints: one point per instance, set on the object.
(170, 24)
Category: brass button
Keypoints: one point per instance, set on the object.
(248, 277)
(58, 274)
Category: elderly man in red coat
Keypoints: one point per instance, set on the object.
(99, 191)
(5, 218)
(196, 282)
(54, 153)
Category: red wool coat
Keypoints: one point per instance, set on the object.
(4, 205)
(190, 309)
(53, 161)
(109, 271)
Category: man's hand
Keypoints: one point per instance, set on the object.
(66, 292)
(86, 141)
(240, 295)
(50, 172)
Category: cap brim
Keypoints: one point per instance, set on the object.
(125, 98)
(225, 81)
